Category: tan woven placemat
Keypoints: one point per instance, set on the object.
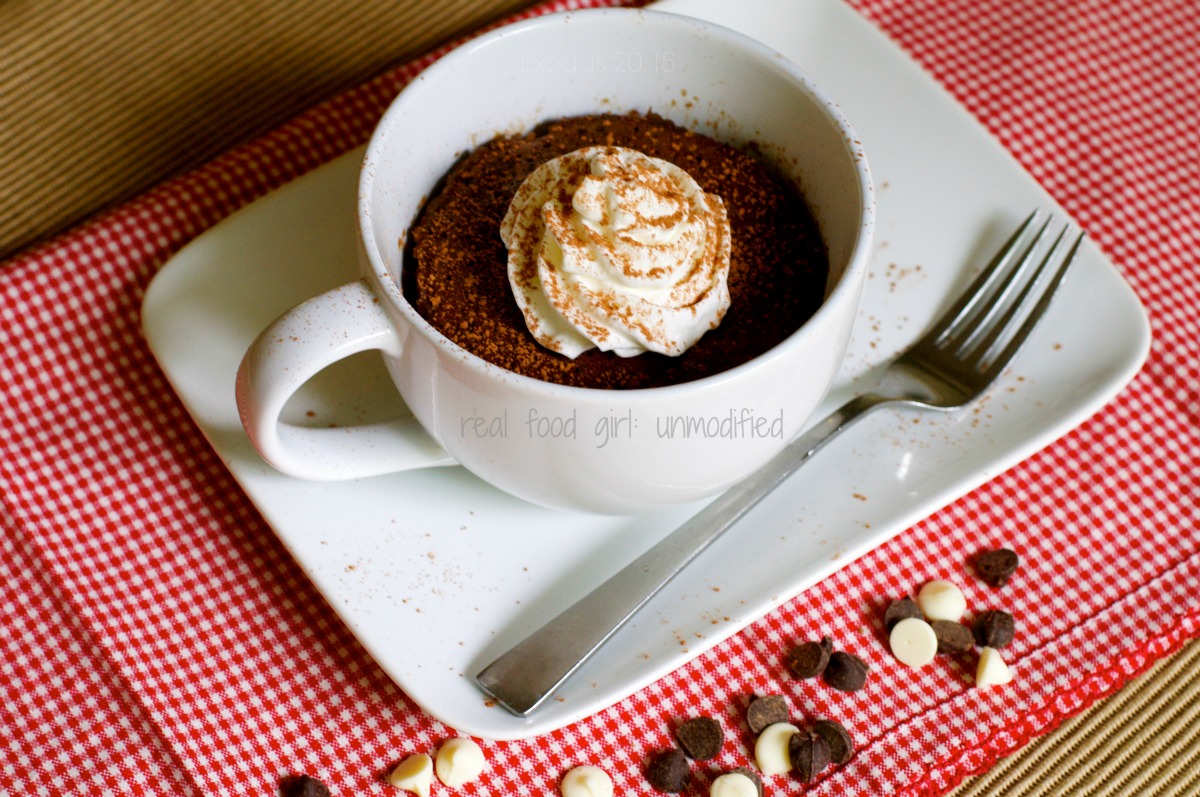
(1144, 741)
(101, 100)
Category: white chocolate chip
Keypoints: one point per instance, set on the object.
(771, 748)
(459, 761)
(733, 784)
(414, 774)
(586, 781)
(913, 642)
(941, 600)
(991, 670)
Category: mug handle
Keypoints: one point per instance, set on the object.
(299, 344)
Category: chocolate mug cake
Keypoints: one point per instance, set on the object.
(725, 337)
(458, 278)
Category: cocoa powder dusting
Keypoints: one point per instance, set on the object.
(460, 284)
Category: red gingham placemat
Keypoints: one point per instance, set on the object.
(157, 638)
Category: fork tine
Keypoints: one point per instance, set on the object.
(981, 287)
(995, 364)
(1000, 301)
(978, 342)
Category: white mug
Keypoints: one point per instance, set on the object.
(595, 450)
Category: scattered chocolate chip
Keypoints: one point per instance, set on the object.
(808, 659)
(701, 738)
(584, 780)
(994, 629)
(996, 567)
(668, 770)
(846, 672)
(952, 637)
(306, 786)
(900, 610)
(750, 773)
(809, 753)
(771, 748)
(941, 600)
(841, 746)
(766, 710)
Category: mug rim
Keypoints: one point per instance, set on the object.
(844, 289)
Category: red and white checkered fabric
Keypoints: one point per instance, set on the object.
(157, 639)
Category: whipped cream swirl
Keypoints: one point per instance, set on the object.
(609, 248)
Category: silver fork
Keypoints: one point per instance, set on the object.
(952, 364)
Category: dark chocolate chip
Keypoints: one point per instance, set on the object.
(952, 637)
(808, 659)
(701, 738)
(994, 629)
(900, 610)
(846, 672)
(668, 770)
(750, 773)
(766, 710)
(995, 568)
(305, 786)
(841, 746)
(809, 754)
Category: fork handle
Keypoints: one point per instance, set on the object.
(522, 678)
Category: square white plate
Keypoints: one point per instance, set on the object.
(437, 573)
